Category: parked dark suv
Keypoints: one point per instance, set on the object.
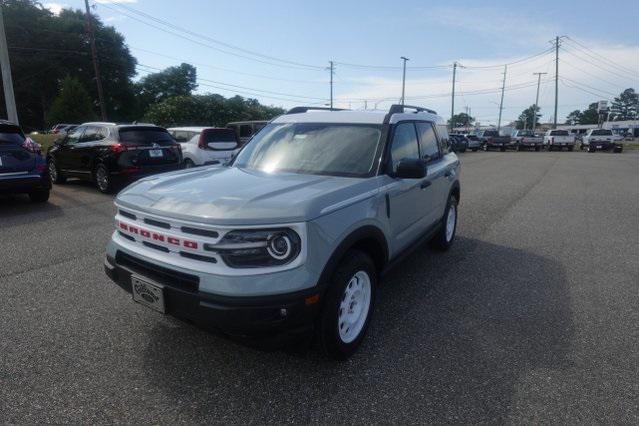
(22, 167)
(111, 154)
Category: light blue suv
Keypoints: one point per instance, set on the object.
(294, 234)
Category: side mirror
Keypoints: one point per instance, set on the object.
(410, 168)
(222, 146)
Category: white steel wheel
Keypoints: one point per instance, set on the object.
(354, 307)
(451, 222)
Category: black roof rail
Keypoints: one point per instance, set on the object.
(301, 109)
(397, 108)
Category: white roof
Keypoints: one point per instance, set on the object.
(355, 117)
(191, 128)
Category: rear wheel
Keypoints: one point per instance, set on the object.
(188, 163)
(54, 172)
(502, 149)
(103, 179)
(39, 196)
(474, 149)
(348, 305)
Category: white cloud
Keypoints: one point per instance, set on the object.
(592, 70)
(115, 1)
(55, 8)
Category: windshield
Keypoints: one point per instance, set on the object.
(525, 133)
(559, 133)
(309, 148)
(11, 135)
(601, 133)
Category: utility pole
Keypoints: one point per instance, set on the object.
(7, 82)
(452, 106)
(331, 69)
(538, 74)
(404, 78)
(501, 103)
(96, 64)
(365, 104)
(554, 125)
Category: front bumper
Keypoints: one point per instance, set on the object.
(274, 316)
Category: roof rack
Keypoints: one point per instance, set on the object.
(301, 109)
(397, 109)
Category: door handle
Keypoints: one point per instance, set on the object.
(425, 184)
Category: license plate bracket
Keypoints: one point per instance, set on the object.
(156, 153)
(148, 294)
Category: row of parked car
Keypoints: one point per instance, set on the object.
(111, 154)
(593, 140)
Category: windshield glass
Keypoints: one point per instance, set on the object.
(145, 136)
(309, 148)
(559, 133)
(525, 133)
(11, 135)
(601, 133)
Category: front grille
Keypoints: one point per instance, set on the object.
(155, 246)
(127, 214)
(157, 223)
(200, 232)
(160, 274)
(198, 257)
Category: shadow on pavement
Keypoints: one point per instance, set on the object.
(453, 337)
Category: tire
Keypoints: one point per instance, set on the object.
(592, 149)
(537, 149)
(462, 150)
(474, 149)
(103, 179)
(39, 196)
(354, 280)
(54, 173)
(188, 163)
(502, 149)
(445, 237)
(571, 148)
(484, 147)
(618, 150)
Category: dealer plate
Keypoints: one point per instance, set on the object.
(148, 294)
(155, 153)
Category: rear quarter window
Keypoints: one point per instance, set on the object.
(11, 135)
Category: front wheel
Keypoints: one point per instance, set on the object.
(188, 163)
(348, 306)
(444, 239)
(103, 179)
(54, 173)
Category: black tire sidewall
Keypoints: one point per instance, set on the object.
(109, 187)
(328, 334)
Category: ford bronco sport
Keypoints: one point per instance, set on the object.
(293, 235)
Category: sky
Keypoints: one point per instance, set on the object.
(278, 51)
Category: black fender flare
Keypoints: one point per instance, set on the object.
(364, 233)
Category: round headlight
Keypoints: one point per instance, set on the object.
(279, 246)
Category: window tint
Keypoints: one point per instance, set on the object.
(559, 133)
(246, 130)
(145, 136)
(90, 134)
(219, 135)
(491, 133)
(11, 135)
(180, 136)
(74, 136)
(404, 144)
(427, 141)
(601, 132)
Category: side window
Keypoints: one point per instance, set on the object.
(91, 134)
(427, 141)
(246, 131)
(74, 137)
(103, 133)
(444, 139)
(405, 144)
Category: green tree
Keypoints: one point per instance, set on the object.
(173, 81)
(527, 116)
(72, 105)
(208, 110)
(574, 117)
(44, 49)
(625, 106)
(590, 115)
(461, 120)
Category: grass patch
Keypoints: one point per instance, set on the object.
(46, 140)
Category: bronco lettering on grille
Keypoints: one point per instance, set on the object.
(152, 235)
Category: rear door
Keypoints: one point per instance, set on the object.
(13, 157)
(438, 170)
(84, 152)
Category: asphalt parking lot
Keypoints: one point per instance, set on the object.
(531, 317)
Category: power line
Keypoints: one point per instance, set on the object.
(211, 39)
(519, 61)
(605, 59)
(608, 70)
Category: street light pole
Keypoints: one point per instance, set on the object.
(404, 78)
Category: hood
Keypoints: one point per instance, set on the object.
(233, 196)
